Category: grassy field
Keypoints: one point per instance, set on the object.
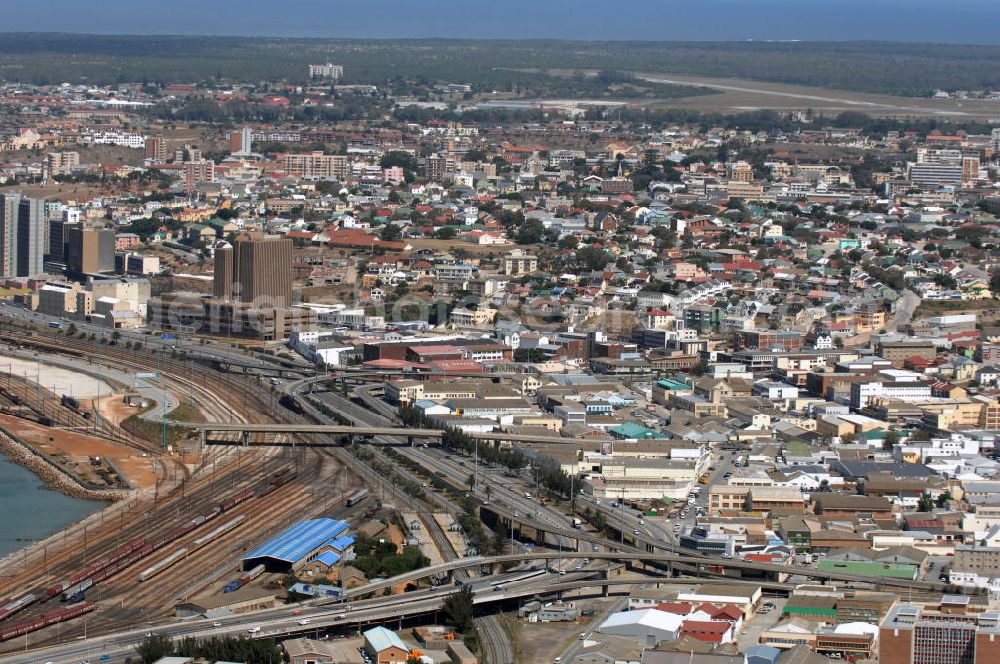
(153, 431)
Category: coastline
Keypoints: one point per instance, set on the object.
(53, 477)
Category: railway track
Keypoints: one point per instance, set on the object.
(494, 641)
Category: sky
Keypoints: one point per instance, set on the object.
(957, 21)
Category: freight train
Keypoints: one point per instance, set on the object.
(51, 618)
(74, 586)
(183, 553)
(13, 606)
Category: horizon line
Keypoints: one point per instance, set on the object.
(748, 40)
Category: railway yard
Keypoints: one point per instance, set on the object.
(199, 514)
(183, 538)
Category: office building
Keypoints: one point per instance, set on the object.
(196, 172)
(952, 633)
(519, 262)
(317, 165)
(9, 206)
(130, 293)
(156, 148)
(970, 169)
(136, 264)
(88, 250)
(32, 237)
(241, 142)
(936, 175)
(329, 70)
(255, 268)
(193, 313)
(60, 163)
(56, 251)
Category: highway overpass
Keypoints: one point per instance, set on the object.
(411, 435)
(245, 432)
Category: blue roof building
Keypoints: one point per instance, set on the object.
(290, 548)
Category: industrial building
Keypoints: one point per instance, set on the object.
(649, 626)
(299, 545)
(227, 604)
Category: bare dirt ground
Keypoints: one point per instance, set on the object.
(72, 451)
(57, 379)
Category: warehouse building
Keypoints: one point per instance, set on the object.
(294, 547)
(647, 626)
(227, 604)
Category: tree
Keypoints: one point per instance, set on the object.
(399, 158)
(995, 282)
(390, 233)
(532, 355)
(925, 504)
(445, 232)
(530, 232)
(699, 369)
(891, 438)
(458, 610)
(592, 258)
(154, 647)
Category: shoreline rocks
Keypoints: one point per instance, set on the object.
(52, 476)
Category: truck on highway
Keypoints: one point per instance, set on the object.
(577, 522)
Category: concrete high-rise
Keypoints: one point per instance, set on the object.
(222, 285)
(256, 269)
(89, 250)
(241, 142)
(156, 148)
(9, 207)
(32, 237)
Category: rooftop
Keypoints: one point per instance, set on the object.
(292, 544)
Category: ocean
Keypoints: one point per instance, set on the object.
(31, 511)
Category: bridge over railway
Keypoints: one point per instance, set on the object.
(667, 560)
(245, 432)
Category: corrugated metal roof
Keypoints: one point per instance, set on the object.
(328, 558)
(342, 542)
(295, 542)
(381, 639)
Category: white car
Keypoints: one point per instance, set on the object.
(216, 624)
(254, 629)
(304, 621)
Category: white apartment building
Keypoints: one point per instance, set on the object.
(862, 393)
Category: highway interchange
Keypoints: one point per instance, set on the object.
(642, 539)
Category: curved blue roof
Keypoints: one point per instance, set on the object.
(294, 543)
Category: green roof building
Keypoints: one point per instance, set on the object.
(872, 569)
